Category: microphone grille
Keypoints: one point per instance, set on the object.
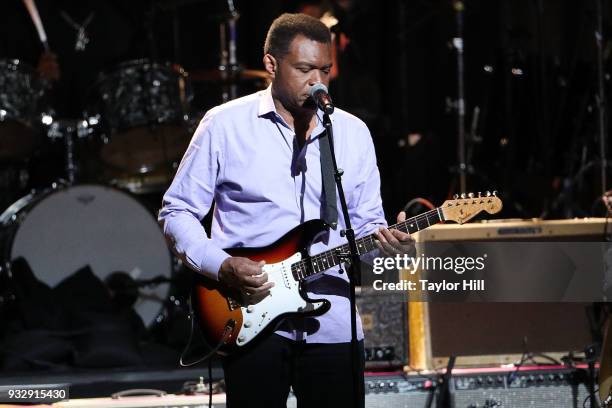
(318, 87)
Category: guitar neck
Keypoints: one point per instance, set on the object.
(321, 262)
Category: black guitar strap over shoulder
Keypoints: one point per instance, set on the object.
(330, 213)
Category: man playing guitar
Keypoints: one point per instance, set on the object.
(258, 159)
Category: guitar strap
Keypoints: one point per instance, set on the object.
(330, 210)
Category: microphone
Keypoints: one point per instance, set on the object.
(320, 95)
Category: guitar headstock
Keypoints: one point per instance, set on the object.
(465, 207)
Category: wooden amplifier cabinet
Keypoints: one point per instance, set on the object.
(492, 333)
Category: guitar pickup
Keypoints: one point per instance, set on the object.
(232, 303)
(286, 277)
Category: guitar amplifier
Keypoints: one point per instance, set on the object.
(493, 333)
(384, 322)
(534, 388)
(480, 388)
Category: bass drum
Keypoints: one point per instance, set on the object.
(64, 229)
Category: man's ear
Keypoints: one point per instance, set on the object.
(270, 64)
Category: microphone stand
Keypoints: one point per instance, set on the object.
(355, 267)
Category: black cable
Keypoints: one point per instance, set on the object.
(528, 356)
(553, 361)
(227, 331)
(608, 206)
(588, 397)
(210, 382)
(524, 358)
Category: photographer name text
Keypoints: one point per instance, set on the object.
(430, 286)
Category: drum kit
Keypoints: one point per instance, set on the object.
(138, 125)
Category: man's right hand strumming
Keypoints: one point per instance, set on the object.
(246, 276)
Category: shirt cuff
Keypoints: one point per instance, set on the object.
(213, 259)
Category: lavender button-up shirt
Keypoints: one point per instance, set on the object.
(246, 158)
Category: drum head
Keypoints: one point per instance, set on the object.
(96, 226)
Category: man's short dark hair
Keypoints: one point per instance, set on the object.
(286, 27)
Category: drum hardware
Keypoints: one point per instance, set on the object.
(71, 167)
(66, 130)
(229, 63)
(230, 79)
(57, 129)
(229, 73)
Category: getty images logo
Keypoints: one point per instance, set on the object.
(459, 265)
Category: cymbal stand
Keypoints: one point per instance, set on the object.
(68, 130)
(71, 167)
(458, 44)
(228, 62)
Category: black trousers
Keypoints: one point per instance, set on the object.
(320, 374)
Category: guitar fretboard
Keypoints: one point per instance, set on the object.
(333, 257)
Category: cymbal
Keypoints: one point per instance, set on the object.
(219, 75)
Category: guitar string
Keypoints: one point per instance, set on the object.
(420, 217)
(318, 258)
(315, 259)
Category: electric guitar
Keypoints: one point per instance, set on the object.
(231, 322)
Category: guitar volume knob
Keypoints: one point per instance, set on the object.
(250, 308)
(247, 324)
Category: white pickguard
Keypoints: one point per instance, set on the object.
(284, 298)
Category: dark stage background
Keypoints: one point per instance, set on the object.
(530, 73)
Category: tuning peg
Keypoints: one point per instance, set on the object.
(455, 196)
(479, 194)
(495, 193)
(462, 195)
(471, 195)
(488, 194)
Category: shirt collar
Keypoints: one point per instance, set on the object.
(266, 103)
(266, 106)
